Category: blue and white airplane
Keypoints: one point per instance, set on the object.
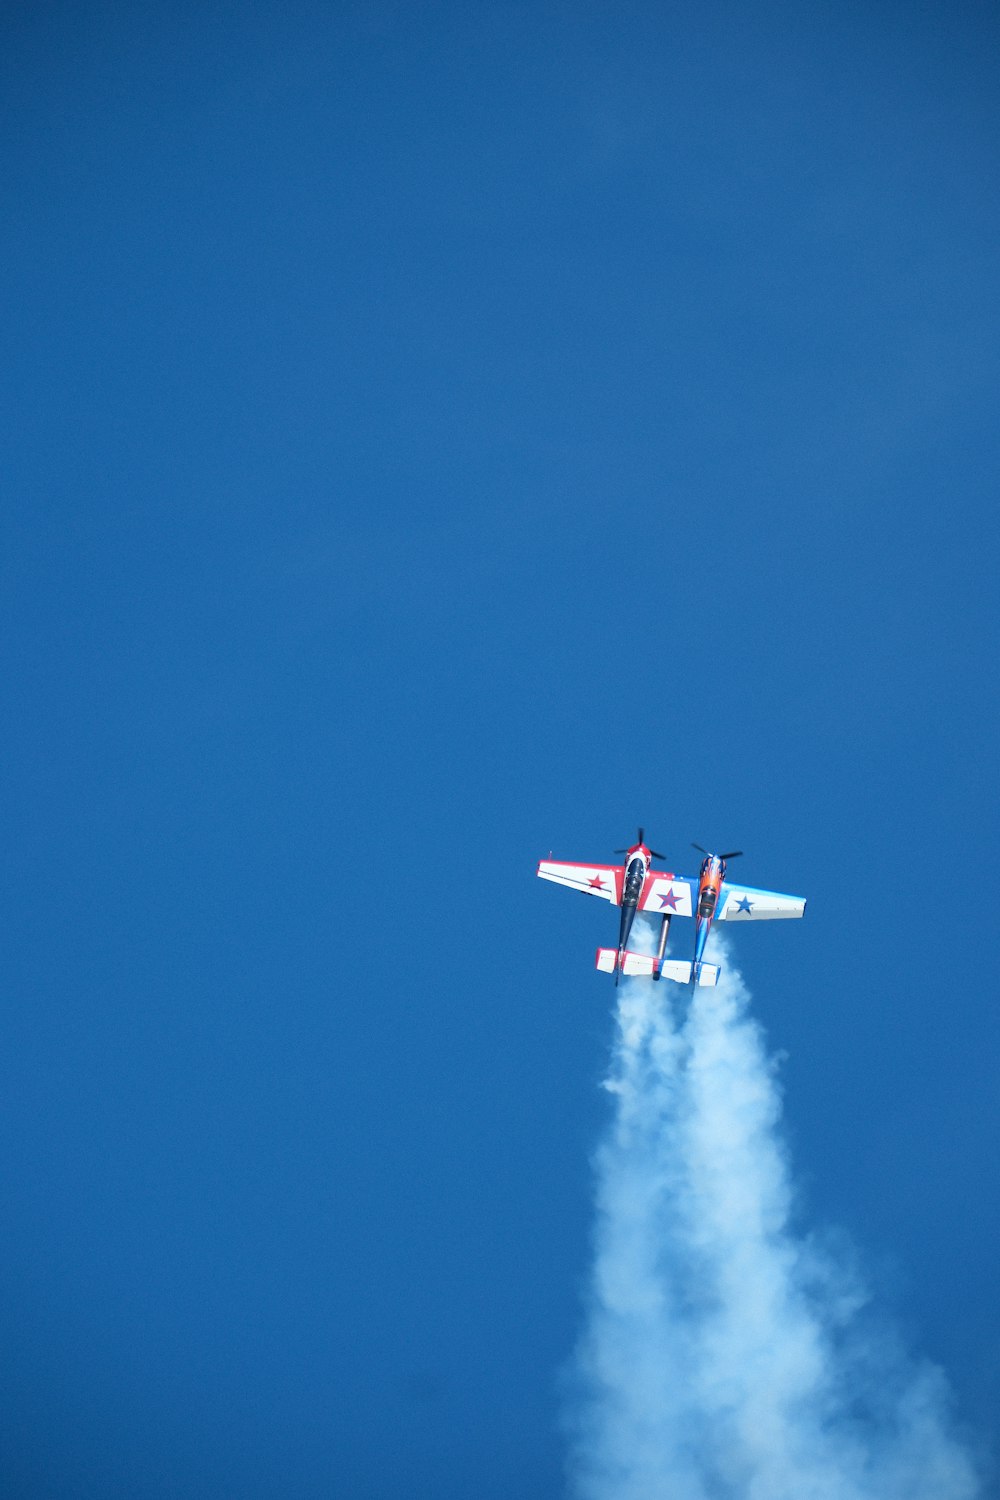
(636, 886)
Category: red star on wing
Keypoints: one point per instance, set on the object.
(597, 884)
(669, 899)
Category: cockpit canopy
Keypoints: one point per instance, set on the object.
(634, 877)
(706, 901)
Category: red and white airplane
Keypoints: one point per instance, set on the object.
(636, 886)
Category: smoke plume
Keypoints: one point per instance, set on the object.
(725, 1357)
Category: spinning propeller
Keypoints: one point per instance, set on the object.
(733, 853)
(641, 840)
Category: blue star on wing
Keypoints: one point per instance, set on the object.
(744, 904)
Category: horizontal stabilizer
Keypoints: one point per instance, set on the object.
(680, 970)
(632, 963)
(635, 964)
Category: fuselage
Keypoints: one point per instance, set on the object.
(713, 873)
(636, 869)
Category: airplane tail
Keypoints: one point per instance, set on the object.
(632, 963)
(642, 964)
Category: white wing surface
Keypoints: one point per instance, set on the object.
(741, 903)
(668, 894)
(598, 880)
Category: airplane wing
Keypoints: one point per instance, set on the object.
(741, 903)
(599, 880)
(671, 894)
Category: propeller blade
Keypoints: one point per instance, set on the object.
(656, 854)
(699, 848)
(733, 854)
(640, 838)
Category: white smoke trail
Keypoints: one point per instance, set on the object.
(724, 1357)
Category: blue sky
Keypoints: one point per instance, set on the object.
(438, 435)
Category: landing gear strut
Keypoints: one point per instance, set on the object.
(664, 929)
